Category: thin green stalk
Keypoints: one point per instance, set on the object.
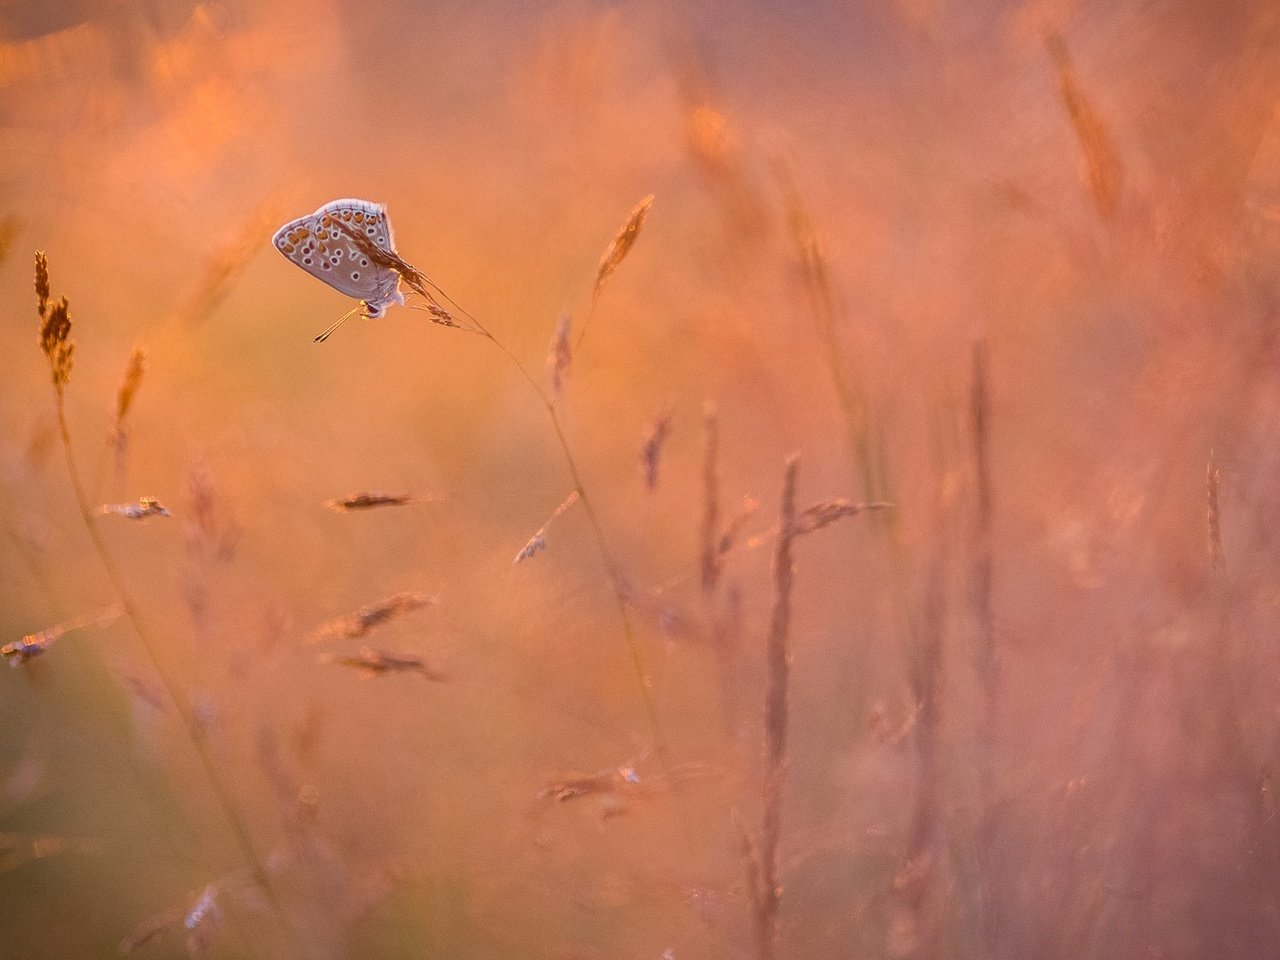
(423, 285)
(602, 544)
(768, 895)
(172, 687)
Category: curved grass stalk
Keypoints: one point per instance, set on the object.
(59, 349)
(424, 286)
(616, 580)
(222, 791)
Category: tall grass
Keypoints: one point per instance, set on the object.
(59, 350)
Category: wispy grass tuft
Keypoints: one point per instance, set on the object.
(621, 245)
(764, 884)
(369, 499)
(615, 253)
(18, 652)
(375, 663)
(373, 615)
(1102, 164)
(421, 284)
(129, 384)
(824, 307)
(651, 444)
(538, 542)
(561, 354)
(59, 350)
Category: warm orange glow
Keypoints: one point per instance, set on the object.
(996, 678)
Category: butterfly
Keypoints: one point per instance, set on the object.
(348, 244)
(325, 250)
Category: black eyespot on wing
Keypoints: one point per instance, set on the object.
(306, 260)
(355, 276)
(364, 262)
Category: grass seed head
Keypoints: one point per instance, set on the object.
(829, 511)
(561, 355)
(368, 500)
(145, 507)
(55, 327)
(372, 615)
(538, 542)
(372, 663)
(441, 316)
(655, 436)
(621, 245)
(129, 384)
(42, 282)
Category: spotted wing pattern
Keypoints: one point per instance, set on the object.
(318, 246)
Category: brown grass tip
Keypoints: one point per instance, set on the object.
(829, 511)
(32, 645)
(373, 663)
(366, 618)
(55, 327)
(655, 436)
(561, 354)
(621, 244)
(129, 384)
(538, 542)
(42, 282)
(368, 500)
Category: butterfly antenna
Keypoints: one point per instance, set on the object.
(335, 325)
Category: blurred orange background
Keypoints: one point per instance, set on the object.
(874, 224)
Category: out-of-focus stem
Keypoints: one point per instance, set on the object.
(602, 544)
(173, 689)
(778, 666)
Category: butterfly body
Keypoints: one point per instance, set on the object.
(323, 248)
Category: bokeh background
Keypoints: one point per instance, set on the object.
(1010, 266)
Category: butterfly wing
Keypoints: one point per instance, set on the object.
(317, 245)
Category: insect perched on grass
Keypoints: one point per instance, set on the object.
(318, 246)
(349, 245)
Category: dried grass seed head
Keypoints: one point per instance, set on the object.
(42, 282)
(621, 244)
(55, 326)
(655, 436)
(129, 384)
(829, 511)
(561, 355)
(537, 543)
(367, 500)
